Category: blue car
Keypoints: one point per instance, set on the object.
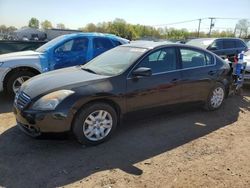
(64, 51)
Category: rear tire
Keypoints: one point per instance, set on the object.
(16, 80)
(95, 123)
(216, 97)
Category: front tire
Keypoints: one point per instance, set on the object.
(216, 97)
(95, 123)
(15, 81)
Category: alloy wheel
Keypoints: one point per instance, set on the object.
(217, 97)
(18, 82)
(97, 125)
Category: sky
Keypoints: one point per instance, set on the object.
(77, 13)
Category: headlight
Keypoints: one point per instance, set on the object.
(1, 63)
(50, 101)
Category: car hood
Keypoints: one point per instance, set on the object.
(66, 78)
(19, 55)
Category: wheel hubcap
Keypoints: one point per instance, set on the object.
(97, 125)
(18, 82)
(217, 98)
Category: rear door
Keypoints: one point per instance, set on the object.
(161, 88)
(197, 74)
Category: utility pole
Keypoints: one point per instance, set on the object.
(199, 26)
(211, 26)
(235, 29)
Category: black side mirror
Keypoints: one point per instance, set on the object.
(142, 71)
(212, 48)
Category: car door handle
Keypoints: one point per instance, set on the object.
(175, 80)
(212, 72)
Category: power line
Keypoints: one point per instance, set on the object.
(175, 23)
(187, 21)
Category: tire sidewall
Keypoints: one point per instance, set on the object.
(77, 128)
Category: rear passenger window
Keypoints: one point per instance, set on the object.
(227, 44)
(239, 44)
(161, 60)
(193, 58)
(102, 43)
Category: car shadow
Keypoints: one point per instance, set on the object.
(5, 103)
(27, 162)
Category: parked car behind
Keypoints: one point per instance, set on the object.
(90, 100)
(63, 51)
(247, 71)
(224, 47)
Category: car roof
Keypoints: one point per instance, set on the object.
(94, 34)
(216, 38)
(148, 44)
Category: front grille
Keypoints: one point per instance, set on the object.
(22, 100)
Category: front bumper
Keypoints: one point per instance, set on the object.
(36, 122)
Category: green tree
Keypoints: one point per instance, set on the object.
(3, 29)
(11, 28)
(34, 23)
(46, 24)
(90, 27)
(60, 26)
(242, 27)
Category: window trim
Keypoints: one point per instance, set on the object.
(62, 43)
(129, 76)
(100, 37)
(178, 60)
(200, 51)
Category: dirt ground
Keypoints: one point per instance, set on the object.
(188, 148)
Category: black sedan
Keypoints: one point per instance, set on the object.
(90, 100)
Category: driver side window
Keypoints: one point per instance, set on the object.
(76, 45)
(66, 47)
(161, 60)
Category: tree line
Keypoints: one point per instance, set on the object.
(123, 29)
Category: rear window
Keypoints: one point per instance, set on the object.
(193, 58)
(240, 44)
(202, 43)
(228, 44)
(102, 43)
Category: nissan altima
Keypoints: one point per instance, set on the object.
(91, 99)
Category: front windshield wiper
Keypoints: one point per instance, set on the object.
(88, 70)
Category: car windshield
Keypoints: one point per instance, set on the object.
(114, 61)
(202, 43)
(47, 45)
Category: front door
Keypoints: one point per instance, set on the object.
(71, 53)
(161, 88)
